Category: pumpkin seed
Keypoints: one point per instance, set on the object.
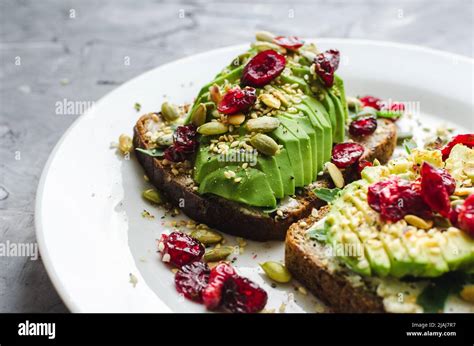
(218, 253)
(199, 115)
(169, 111)
(467, 293)
(263, 124)
(165, 141)
(335, 174)
(236, 119)
(125, 144)
(261, 46)
(276, 271)
(464, 191)
(279, 95)
(418, 222)
(215, 94)
(457, 202)
(441, 222)
(270, 100)
(264, 36)
(152, 195)
(207, 237)
(264, 144)
(213, 128)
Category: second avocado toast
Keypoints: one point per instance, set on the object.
(247, 155)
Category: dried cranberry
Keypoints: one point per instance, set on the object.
(326, 64)
(397, 107)
(237, 100)
(191, 279)
(184, 137)
(433, 190)
(212, 294)
(290, 42)
(371, 101)
(448, 181)
(454, 215)
(346, 154)
(179, 248)
(363, 126)
(362, 164)
(394, 198)
(263, 68)
(466, 139)
(243, 296)
(175, 154)
(466, 216)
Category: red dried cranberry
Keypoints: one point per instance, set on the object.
(466, 139)
(263, 68)
(448, 181)
(362, 164)
(371, 101)
(191, 279)
(179, 248)
(397, 107)
(290, 42)
(237, 100)
(433, 189)
(346, 154)
(363, 126)
(394, 198)
(243, 296)
(466, 216)
(454, 215)
(326, 64)
(175, 154)
(184, 137)
(212, 294)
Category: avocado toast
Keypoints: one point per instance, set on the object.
(401, 239)
(247, 155)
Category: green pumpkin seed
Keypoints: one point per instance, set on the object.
(263, 124)
(262, 45)
(213, 128)
(270, 100)
(215, 94)
(206, 237)
(218, 253)
(199, 115)
(152, 196)
(264, 36)
(276, 271)
(165, 140)
(441, 222)
(264, 144)
(169, 112)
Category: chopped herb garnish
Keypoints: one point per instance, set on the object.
(327, 195)
(137, 106)
(319, 233)
(155, 152)
(409, 145)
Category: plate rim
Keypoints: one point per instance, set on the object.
(38, 217)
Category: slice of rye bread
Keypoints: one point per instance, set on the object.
(324, 276)
(235, 218)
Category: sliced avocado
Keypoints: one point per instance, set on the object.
(253, 189)
(305, 123)
(292, 79)
(373, 247)
(205, 163)
(457, 248)
(269, 166)
(339, 133)
(286, 172)
(339, 84)
(294, 128)
(321, 119)
(331, 111)
(292, 145)
(400, 260)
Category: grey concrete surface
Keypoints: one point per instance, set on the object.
(75, 49)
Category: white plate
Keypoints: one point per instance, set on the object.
(88, 209)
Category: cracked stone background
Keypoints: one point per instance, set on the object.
(76, 49)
